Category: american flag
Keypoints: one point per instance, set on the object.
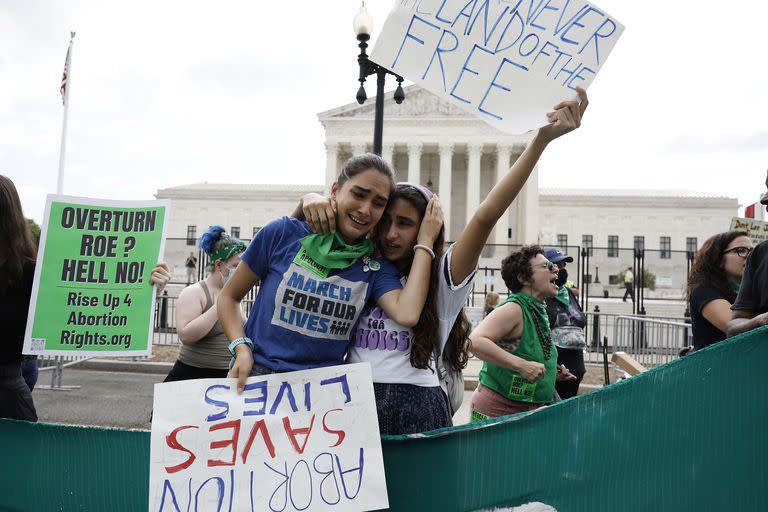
(64, 78)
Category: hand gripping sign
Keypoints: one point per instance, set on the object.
(92, 293)
(304, 440)
(506, 61)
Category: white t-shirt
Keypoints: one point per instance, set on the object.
(386, 344)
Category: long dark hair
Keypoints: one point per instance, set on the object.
(16, 243)
(707, 266)
(456, 353)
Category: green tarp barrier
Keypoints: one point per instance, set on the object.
(688, 435)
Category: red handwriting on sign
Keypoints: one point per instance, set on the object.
(258, 428)
(174, 443)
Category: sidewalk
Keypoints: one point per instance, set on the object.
(117, 393)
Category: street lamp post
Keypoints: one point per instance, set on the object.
(363, 25)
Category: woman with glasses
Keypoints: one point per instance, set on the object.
(520, 361)
(713, 284)
(204, 347)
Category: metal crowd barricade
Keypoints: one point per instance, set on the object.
(165, 319)
(650, 340)
(56, 365)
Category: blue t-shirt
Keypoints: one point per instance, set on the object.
(301, 320)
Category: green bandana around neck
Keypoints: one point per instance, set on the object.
(538, 310)
(562, 296)
(734, 285)
(320, 253)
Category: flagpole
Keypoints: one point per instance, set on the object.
(62, 151)
(58, 369)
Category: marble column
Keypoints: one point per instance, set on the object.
(503, 153)
(387, 152)
(358, 148)
(414, 162)
(530, 215)
(331, 166)
(444, 190)
(474, 152)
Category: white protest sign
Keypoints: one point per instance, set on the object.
(757, 230)
(508, 62)
(304, 440)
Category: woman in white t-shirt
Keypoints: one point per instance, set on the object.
(409, 398)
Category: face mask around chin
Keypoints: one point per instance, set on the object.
(225, 278)
(562, 277)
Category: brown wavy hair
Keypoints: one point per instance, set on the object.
(517, 266)
(707, 265)
(456, 352)
(17, 246)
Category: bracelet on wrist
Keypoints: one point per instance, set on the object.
(425, 248)
(240, 341)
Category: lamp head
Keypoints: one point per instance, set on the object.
(363, 23)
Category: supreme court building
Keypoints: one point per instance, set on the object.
(460, 158)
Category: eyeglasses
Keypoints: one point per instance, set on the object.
(547, 264)
(741, 251)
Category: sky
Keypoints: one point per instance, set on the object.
(169, 93)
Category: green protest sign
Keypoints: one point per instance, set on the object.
(92, 293)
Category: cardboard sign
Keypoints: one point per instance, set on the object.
(508, 62)
(757, 230)
(92, 293)
(304, 440)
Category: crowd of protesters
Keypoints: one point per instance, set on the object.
(385, 241)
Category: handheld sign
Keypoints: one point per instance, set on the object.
(92, 294)
(304, 440)
(508, 62)
(757, 230)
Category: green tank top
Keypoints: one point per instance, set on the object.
(511, 384)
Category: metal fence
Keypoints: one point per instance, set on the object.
(165, 319)
(652, 340)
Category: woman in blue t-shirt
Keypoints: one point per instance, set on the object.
(313, 287)
(408, 391)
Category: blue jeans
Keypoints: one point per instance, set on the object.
(29, 371)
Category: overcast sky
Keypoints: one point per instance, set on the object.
(166, 93)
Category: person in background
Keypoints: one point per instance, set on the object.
(713, 284)
(17, 270)
(191, 266)
(567, 322)
(629, 285)
(520, 361)
(750, 310)
(204, 352)
(491, 301)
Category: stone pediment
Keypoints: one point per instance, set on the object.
(418, 103)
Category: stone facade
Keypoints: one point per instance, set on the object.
(460, 157)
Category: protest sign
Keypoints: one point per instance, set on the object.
(757, 230)
(92, 293)
(305, 440)
(508, 62)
